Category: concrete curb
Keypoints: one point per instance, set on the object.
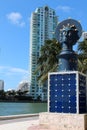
(18, 116)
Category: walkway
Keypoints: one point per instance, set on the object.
(26, 123)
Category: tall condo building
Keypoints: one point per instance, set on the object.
(42, 25)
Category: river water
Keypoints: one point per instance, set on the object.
(7, 109)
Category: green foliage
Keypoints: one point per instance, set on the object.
(2, 93)
(48, 61)
(82, 56)
(82, 47)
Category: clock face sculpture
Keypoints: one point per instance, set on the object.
(68, 31)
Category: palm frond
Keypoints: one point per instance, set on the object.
(48, 61)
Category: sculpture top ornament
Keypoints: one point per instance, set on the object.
(68, 32)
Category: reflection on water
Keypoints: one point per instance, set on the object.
(21, 108)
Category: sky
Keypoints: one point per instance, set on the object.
(15, 33)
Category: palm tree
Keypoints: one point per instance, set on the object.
(48, 61)
(83, 46)
(82, 56)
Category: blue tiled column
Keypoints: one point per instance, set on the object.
(67, 92)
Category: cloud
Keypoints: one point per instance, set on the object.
(18, 70)
(64, 8)
(15, 18)
(12, 76)
(6, 70)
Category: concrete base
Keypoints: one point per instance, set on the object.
(63, 121)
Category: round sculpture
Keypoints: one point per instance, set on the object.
(68, 33)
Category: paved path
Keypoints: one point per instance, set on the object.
(26, 123)
(7, 121)
(19, 124)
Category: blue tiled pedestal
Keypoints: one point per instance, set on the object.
(67, 92)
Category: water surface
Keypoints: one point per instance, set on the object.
(21, 108)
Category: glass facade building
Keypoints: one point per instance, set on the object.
(43, 23)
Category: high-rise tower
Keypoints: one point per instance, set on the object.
(42, 25)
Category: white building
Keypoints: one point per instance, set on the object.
(42, 25)
(23, 86)
(1, 85)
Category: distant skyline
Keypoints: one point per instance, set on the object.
(15, 35)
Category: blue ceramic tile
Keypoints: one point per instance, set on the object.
(63, 96)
